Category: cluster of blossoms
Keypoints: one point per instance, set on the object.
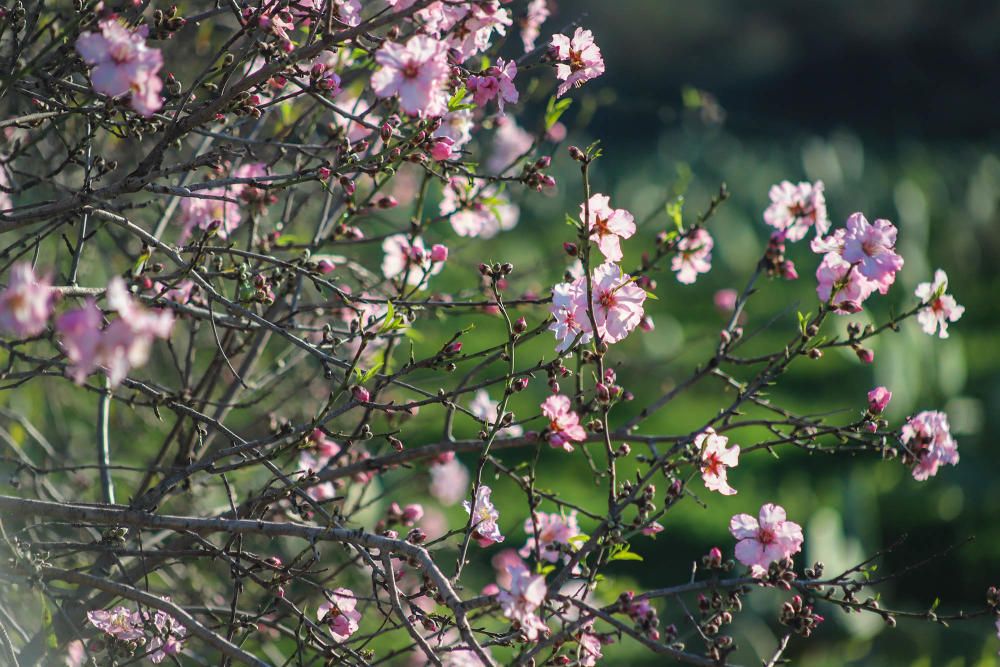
(158, 633)
(122, 345)
(615, 303)
(927, 442)
(409, 258)
(522, 600)
(553, 540)
(122, 64)
(858, 260)
(564, 424)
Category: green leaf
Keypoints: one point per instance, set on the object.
(675, 211)
(370, 373)
(578, 540)
(803, 322)
(625, 554)
(555, 109)
(455, 103)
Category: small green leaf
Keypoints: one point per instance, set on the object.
(625, 554)
(675, 211)
(555, 109)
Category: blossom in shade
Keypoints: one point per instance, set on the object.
(483, 407)
(257, 198)
(311, 463)
(842, 285)
(503, 562)
(590, 647)
(120, 623)
(796, 208)
(617, 301)
(553, 538)
(122, 64)
(339, 613)
(526, 594)
(26, 303)
(716, 459)
(496, 82)
(766, 539)
(76, 654)
(537, 13)
(209, 206)
(6, 203)
(564, 424)
(578, 59)
(926, 437)
(878, 398)
(940, 308)
(654, 528)
(484, 518)
(457, 126)
(409, 257)
(607, 225)
(478, 213)
(416, 71)
(449, 481)
(510, 142)
(694, 255)
(123, 345)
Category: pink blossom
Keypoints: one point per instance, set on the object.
(654, 528)
(564, 424)
(607, 225)
(526, 594)
(404, 256)
(498, 82)
(538, 12)
(579, 59)
(481, 213)
(940, 308)
(510, 142)
(694, 256)
(716, 458)
(796, 208)
(443, 149)
(6, 203)
(439, 253)
(484, 518)
(570, 313)
(449, 481)
(123, 345)
(483, 407)
(309, 463)
(205, 207)
(417, 72)
(872, 247)
(763, 542)
(80, 332)
(617, 302)
(927, 439)
(555, 533)
(590, 648)
(457, 126)
(340, 614)
(842, 285)
(878, 398)
(26, 304)
(122, 64)
(503, 562)
(121, 623)
(725, 300)
(76, 654)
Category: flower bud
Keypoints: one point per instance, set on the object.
(521, 325)
(360, 394)
(439, 253)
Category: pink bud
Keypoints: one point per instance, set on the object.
(387, 202)
(453, 348)
(865, 355)
(878, 398)
(439, 253)
(441, 150)
(361, 394)
(413, 513)
(323, 172)
(646, 323)
(325, 266)
(521, 325)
